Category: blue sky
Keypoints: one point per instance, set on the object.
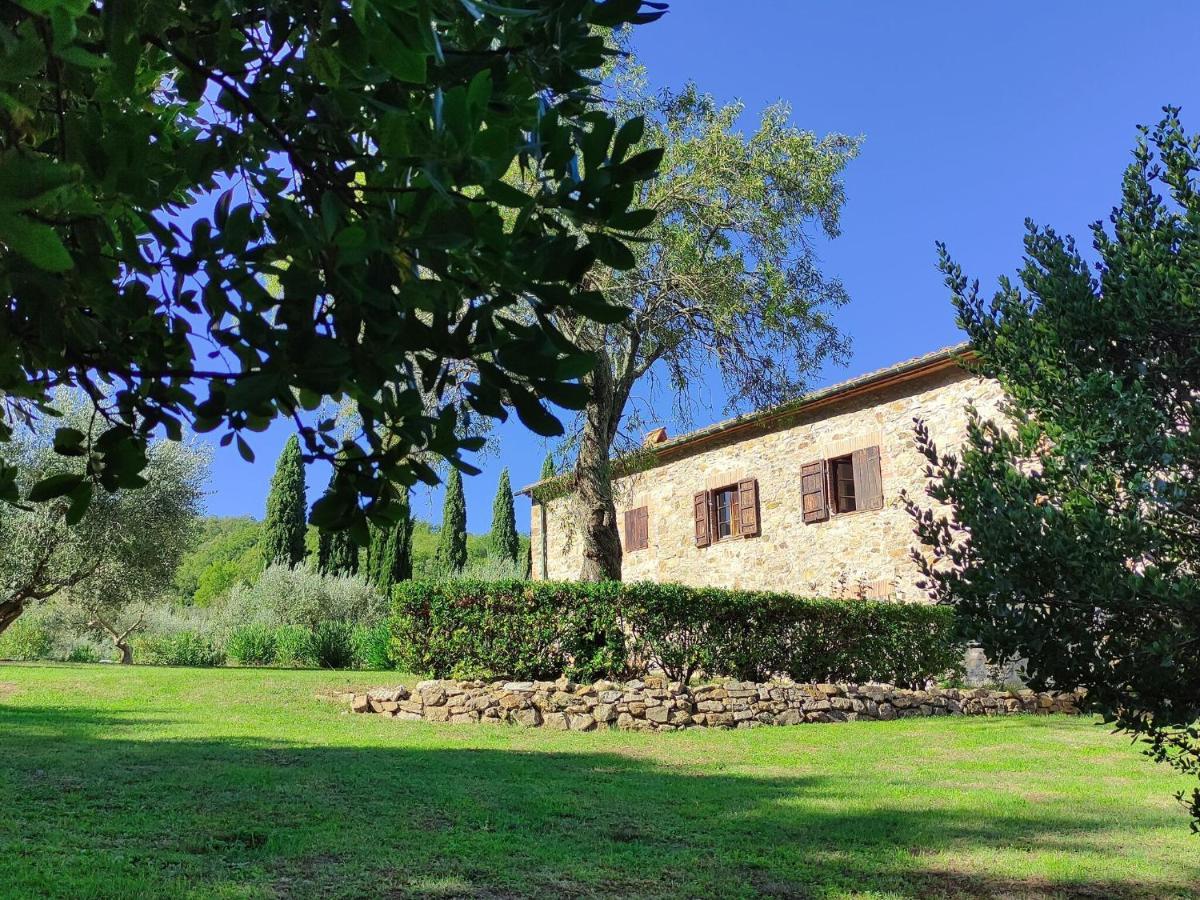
(974, 117)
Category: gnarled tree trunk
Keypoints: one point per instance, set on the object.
(593, 481)
(10, 609)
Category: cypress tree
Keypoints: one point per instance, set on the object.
(389, 554)
(452, 541)
(503, 539)
(283, 529)
(337, 554)
(548, 468)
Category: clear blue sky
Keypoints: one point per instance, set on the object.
(974, 115)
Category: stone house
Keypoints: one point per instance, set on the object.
(803, 497)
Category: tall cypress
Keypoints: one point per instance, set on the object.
(337, 554)
(503, 539)
(283, 529)
(389, 554)
(452, 541)
(548, 468)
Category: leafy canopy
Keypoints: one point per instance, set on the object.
(1083, 510)
(164, 163)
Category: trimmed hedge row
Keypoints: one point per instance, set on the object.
(540, 630)
(519, 629)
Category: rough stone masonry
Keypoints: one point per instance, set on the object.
(656, 704)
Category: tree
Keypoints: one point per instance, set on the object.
(452, 539)
(118, 555)
(163, 163)
(503, 538)
(284, 525)
(548, 470)
(389, 554)
(226, 552)
(1073, 538)
(727, 277)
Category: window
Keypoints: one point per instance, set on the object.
(725, 503)
(843, 484)
(726, 512)
(637, 531)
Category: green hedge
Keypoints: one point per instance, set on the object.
(517, 629)
(752, 635)
(524, 629)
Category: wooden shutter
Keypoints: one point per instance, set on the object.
(747, 490)
(813, 492)
(642, 518)
(868, 480)
(630, 529)
(700, 505)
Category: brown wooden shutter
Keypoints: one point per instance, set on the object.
(643, 526)
(813, 492)
(630, 526)
(748, 507)
(868, 480)
(700, 504)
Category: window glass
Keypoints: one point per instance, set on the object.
(724, 501)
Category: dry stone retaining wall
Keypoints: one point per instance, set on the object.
(655, 704)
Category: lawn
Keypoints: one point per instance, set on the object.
(150, 782)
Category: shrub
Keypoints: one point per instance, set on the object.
(540, 630)
(519, 629)
(302, 596)
(752, 635)
(26, 640)
(185, 648)
(333, 644)
(82, 652)
(252, 645)
(372, 647)
(294, 647)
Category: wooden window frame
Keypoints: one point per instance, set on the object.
(841, 474)
(866, 483)
(743, 518)
(637, 529)
(734, 508)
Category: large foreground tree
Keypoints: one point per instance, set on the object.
(727, 278)
(163, 162)
(1074, 537)
(122, 552)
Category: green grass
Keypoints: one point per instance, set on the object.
(152, 782)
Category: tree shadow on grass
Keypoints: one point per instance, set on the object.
(84, 811)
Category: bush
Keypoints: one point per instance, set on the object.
(540, 630)
(186, 648)
(753, 635)
(302, 596)
(372, 647)
(26, 640)
(294, 647)
(517, 629)
(252, 645)
(333, 644)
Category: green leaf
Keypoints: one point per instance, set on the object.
(38, 243)
(611, 251)
(54, 486)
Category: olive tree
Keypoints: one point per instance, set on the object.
(725, 276)
(122, 552)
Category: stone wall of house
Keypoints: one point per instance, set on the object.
(863, 553)
(655, 704)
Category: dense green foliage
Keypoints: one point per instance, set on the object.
(315, 195)
(753, 635)
(251, 645)
(185, 648)
(518, 629)
(452, 537)
(1083, 508)
(226, 552)
(104, 563)
(287, 509)
(548, 470)
(304, 597)
(389, 552)
(545, 629)
(26, 640)
(729, 277)
(503, 536)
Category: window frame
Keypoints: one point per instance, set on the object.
(734, 511)
(841, 473)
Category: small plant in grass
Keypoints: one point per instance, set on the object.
(252, 645)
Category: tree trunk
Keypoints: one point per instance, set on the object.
(593, 484)
(126, 651)
(10, 609)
